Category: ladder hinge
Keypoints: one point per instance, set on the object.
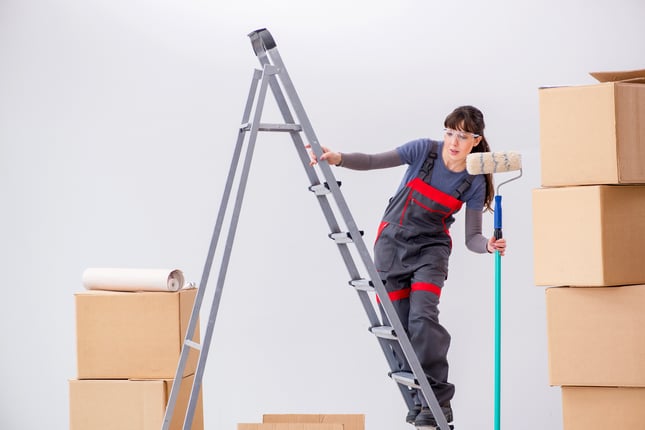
(322, 189)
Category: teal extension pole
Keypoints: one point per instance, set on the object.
(498, 311)
(484, 163)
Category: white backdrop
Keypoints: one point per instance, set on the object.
(117, 123)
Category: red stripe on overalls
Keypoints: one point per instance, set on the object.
(425, 286)
(434, 194)
(396, 295)
(452, 203)
(417, 286)
(381, 226)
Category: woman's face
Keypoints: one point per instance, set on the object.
(458, 144)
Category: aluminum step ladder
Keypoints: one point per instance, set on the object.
(391, 336)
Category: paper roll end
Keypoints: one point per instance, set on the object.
(175, 280)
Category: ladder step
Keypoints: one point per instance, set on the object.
(322, 189)
(362, 285)
(405, 378)
(280, 127)
(273, 127)
(193, 345)
(384, 332)
(343, 237)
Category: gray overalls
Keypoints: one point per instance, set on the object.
(411, 254)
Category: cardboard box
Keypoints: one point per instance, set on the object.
(596, 336)
(603, 408)
(288, 426)
(349, 421)
(589, 235)
(594, 134)
(129, 404)
(133, 335)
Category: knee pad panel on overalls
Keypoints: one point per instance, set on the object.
(435, 265)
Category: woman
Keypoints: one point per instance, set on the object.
(413, 241)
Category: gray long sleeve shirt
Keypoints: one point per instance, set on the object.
(475, 240)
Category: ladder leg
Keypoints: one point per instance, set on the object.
(203, 356)
(194, 317)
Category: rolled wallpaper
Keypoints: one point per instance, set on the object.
(114, 279)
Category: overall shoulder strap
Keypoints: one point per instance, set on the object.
(426, 170)
(461, 189)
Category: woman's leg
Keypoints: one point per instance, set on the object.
(430, 341)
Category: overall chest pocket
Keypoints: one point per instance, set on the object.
(423, 214)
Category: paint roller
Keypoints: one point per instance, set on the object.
(481, 163)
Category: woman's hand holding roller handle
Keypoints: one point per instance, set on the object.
(496, 245)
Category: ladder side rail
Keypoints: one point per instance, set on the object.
(397, 354)
(392, 350)
(194, 316)
(264, 45)
(387, 348)
(388, 307)
(334, 227)
(315, 145)
(203, 356)
(314, 180)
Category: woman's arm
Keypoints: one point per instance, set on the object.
(358, 160)
(475, 240)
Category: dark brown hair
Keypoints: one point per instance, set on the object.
(470, 119)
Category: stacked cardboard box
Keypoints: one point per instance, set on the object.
(128, 347)
(589, 231)
(307, 422)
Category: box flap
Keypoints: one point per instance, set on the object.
(349, 421)
(290, 426)
(636, 76)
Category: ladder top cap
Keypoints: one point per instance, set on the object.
(261, 40)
